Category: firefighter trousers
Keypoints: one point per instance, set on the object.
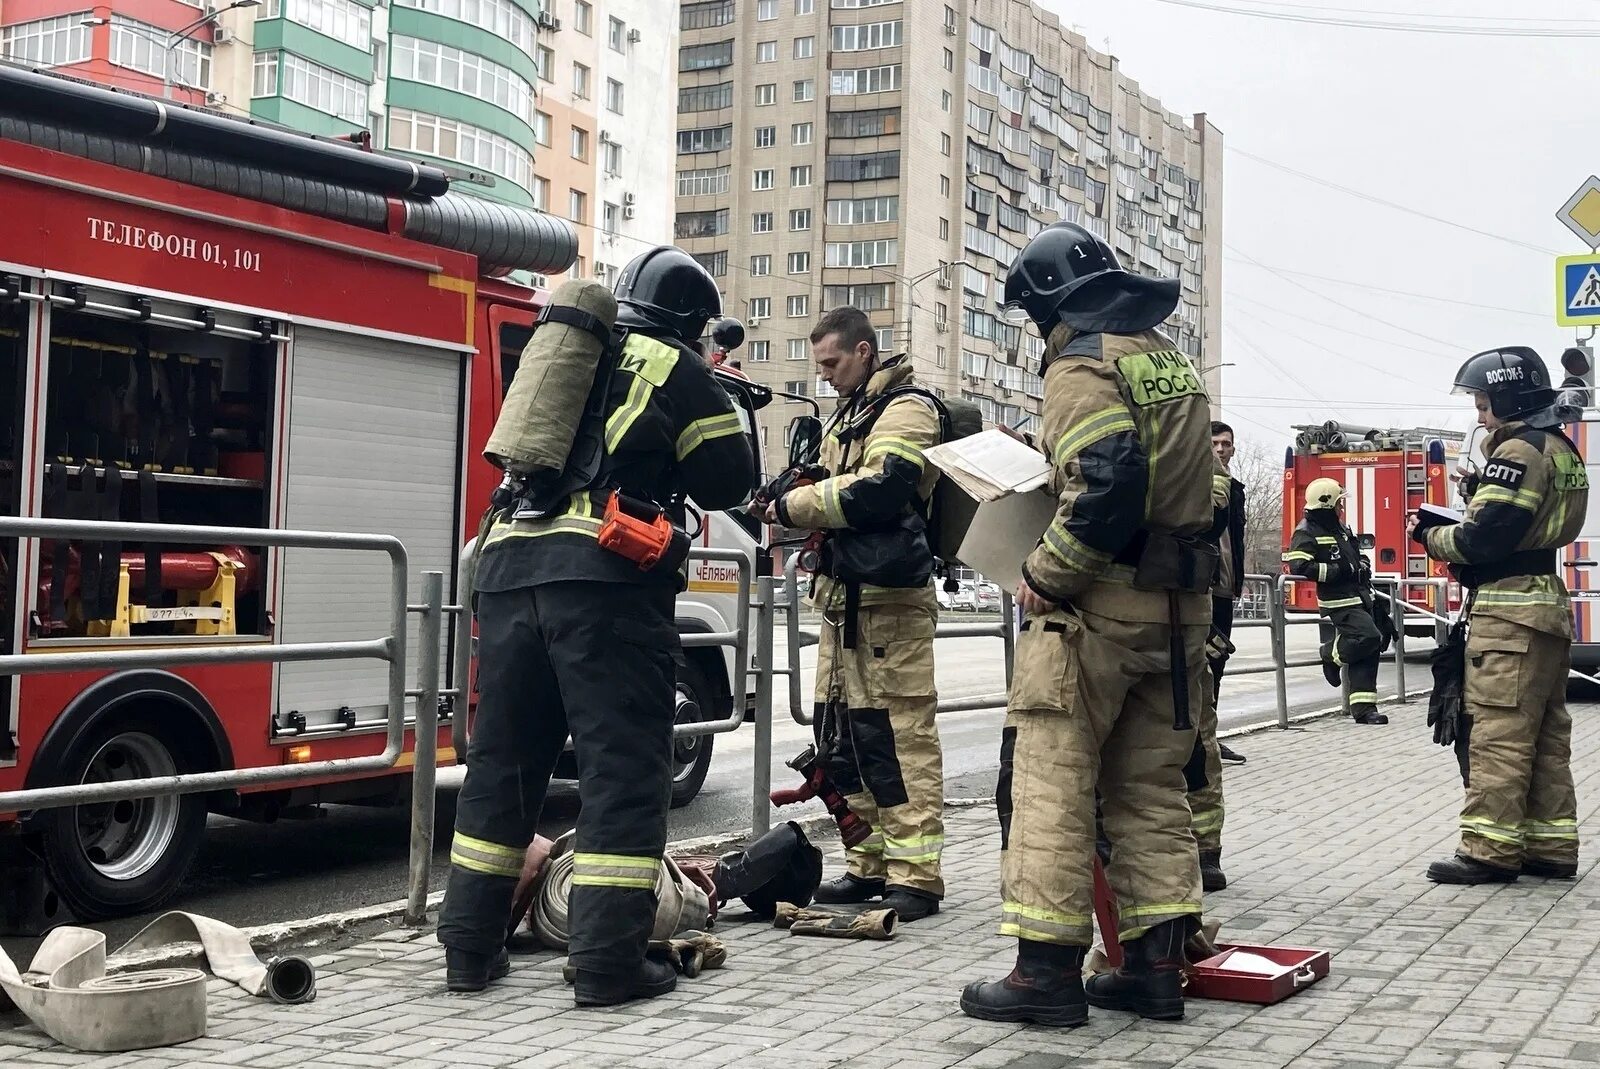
(875, 725)
(1350, 640)
(1092, 703)
(1520, 802)
(593, 660)
(1205, 763)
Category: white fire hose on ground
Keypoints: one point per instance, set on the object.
(71, 998)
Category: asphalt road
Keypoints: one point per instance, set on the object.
(348, 857)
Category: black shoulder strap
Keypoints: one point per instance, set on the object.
(1090, 345)
(576, 317)
(863, 423)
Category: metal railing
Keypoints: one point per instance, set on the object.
(798, 639)
(390, 648)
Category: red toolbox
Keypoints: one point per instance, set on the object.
(1242, 972)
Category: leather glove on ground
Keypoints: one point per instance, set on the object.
(691, 953)
(862, 924)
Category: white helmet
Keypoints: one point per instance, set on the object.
(1323, 494)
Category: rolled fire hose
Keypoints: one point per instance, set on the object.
(681, 906)
(74, 1002)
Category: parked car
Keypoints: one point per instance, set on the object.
(988, 597)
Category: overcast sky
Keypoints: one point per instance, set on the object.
(1493, 133)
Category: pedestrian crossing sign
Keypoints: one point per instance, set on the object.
(1578, 290)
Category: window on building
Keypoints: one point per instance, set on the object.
(941, 357)
(580, 143)
(885, 340)
(580, 81)
(868, 297)
(798, 387)
(884, 253)
(799, 306)
(805, 89)
(874, 122)
(761, 223)
(944, 185)
(545, 60)
(944, 101)
(263, 74)
(863, 210)
(800, 177)
(705, 98)
(703, 182)
(944, 230)
(766, 136)
(760, 307)
(705, 139)
(611, 158)
(864, 80)
(617, 35)
(325, 90)
(867, 35)
(766, 93)
(138, 46)
(705, 15)
(614, 96)
(502, 18)
(800, 133)
(864, 166)
(949, 60)
(761, 265)
(766, 10)
(799, 219)
(805, 47)
(707, 224)
(715, 263)
(54, 42)
(766, 51)
(760, 352)
(610, 217)
(944, 144)
(541, 193)
(541, 128)
(577, 205)
(705, 57)
(799, 263)
(431, 63)
(799, 349)
(805, 7)
(761, 178)
(343, 20)
(583, 18)
(580, 268)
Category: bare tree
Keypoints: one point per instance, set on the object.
(1262, 475)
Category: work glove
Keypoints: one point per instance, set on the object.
(691, 953)
(1445, 704)
(862, 924)
(1385, 623)
(1218, 646)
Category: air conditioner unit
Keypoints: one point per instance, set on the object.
(222, 36)
(629, 211)
(943, 282)
(754, 322)
(605, 137)
(949, 31)
(634, 37)
(973, 171)
(215, 99)
(628, 198)
(547, 21)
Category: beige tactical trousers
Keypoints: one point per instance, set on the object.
(1520, 800)
(1091, 703)
(1205, 805)
(887, 758)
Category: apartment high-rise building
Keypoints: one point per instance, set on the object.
(896, 157)
(556, 105)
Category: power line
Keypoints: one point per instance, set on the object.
(1335, 352)
(1386, 203)
(1347, 307)
(1285, 372)
(1297, 317)
(1391, 291)
(1303, 16)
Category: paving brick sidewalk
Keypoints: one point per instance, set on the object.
(1329, 829)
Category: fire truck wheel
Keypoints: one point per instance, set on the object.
(691, 757)
(117, 858)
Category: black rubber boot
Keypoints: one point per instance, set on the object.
(607, 989)
(848, 889)
(1550, 870)
(465, 971)
(1367, 714)
(1460, 869)
(1046, 987)
(1228, 755)
(1330, 672)
(1150, 982)
(910, 905)
(1211, 876)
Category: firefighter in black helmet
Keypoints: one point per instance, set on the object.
(577, 639)
(1520, 816)
(1110, 659)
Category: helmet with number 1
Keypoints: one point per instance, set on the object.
(1513, 378)
(665, 290)
(1067, 275)
(1324, 494)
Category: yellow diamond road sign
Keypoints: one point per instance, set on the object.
(1581, 214)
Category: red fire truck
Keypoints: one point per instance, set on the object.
(208, 321)
(1385, 472)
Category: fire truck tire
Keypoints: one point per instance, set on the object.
(120, 858)
(698, 700)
